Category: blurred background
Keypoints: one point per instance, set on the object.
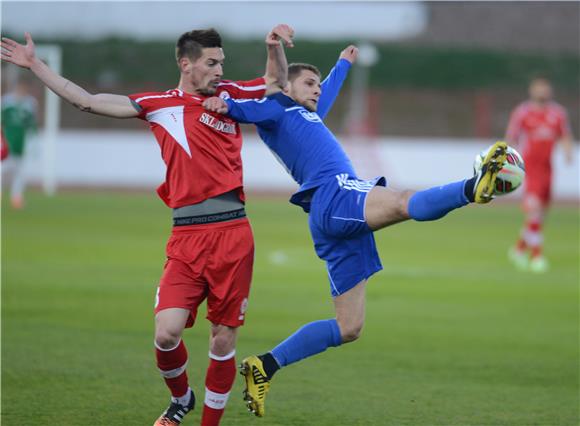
(434, 79)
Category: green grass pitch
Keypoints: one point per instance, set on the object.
(454, 335)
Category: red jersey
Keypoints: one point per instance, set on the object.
(202, 150)
(536, 130)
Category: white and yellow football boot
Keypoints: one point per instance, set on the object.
(490, 167)
(257, 384)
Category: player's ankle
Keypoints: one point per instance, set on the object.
(469, 189)
(184, 399)
(270, 364)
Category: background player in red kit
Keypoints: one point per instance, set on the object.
(535, 127)
(210, 252)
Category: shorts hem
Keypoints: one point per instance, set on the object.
(356, 282)
(227, 323)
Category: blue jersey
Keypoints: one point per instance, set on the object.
(299, 138)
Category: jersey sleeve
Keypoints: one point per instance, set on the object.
(263, 112)
(515, 125)
(144, 102)
(331, 86)
(252, 89)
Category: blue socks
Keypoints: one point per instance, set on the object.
(309, 340)
(434, 203)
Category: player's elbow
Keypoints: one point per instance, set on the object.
(83, 103)
(275, 83)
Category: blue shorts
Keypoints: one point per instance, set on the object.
(340, 233)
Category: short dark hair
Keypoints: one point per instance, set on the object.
(191, 43)
(540, 77)
(294, 70)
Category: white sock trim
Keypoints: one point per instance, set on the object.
(166, 350)
(184, 399)
(534, 238)
(222, 358)
(171, 374)
(214, 400)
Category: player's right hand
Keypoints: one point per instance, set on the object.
(16, 53)
(281, 32)
(216, 104)
(350, 54)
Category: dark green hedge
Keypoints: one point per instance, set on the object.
(146, 63)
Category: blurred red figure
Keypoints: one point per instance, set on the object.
(4, 150)
(535, 127)
(210, 251)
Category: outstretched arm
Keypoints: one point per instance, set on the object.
(261, 112)
(568, 147)
(333, 82)
(277, 66)
(104, 104)
(567, 140)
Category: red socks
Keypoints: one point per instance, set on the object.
(172, 364)
(534, 237)
(218, 383)
(219, 379)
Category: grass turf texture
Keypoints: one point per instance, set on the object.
(454, 334)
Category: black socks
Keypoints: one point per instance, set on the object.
(270, 364)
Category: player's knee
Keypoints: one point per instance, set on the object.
(165, 339)
(403, 206)
(351, 332)
(222, 344)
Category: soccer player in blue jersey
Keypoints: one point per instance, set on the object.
(344, 211)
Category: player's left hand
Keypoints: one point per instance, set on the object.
(216, 104)
(350, 54)
(280, 32)
(19, 54)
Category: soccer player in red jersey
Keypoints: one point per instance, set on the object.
(535, 127)
(210, 251)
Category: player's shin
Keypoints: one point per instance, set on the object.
(218, 383)
(307, 341)
(172, 365)
(434, 203)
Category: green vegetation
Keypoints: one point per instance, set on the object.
(454, 335)
(136, 63)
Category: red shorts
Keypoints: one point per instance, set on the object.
(540, 185)
(211, 261)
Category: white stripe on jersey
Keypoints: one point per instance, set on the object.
(246, 88)
(293, 108)
(170, 95)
